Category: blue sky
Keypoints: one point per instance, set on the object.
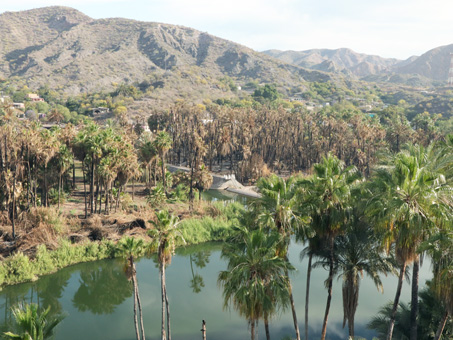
(389, 28)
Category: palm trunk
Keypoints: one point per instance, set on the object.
(84, 189)
(351, 327)
(203, 330)
(106, 199)
(59, 191)
(414, 299)
(45, 186)
(252, 329)
(442, 323)
(396, 302)
(92, 188)
(266, 328)
(96, 195)
(73, 174)
(168, 315)
(163, 175)
(293, 308)
(135, 308)
(13, 214)
(307, 294)
(329, 289)
(139, 303)
(163, 288)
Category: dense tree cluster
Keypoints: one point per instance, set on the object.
(351, 226)
(253, 141)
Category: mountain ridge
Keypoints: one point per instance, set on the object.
(60, 46)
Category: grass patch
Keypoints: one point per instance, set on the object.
(217, 226)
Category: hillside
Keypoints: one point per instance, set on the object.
(64, 48)
(339, 60)
(414, 71)
(433, 64)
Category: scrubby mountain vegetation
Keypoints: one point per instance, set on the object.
(361, 172)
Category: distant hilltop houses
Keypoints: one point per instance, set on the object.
(33, 97)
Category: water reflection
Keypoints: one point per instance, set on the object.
(102, 289)
(97, 299)
(200, 259)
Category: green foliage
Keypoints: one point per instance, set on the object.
(207, 228)
(157, 196)
(266, 93)
(32, 323)
(19, 267)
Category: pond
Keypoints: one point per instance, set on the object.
(213, 195)
(97, 299)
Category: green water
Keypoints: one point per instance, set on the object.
(226, 196)
(97, 299)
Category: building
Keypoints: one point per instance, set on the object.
(34, 97)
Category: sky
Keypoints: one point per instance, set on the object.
(388, 28)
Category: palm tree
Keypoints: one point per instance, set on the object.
(33, 323)
(65, 160)
(358, 251)
(129, 248)
(147, 153)
(256, 280)
(408, 197)
(440, 247)
(327, 200)
(277, 210)
(165, 235)
(162, 144)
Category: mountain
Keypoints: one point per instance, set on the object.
(433, 64)
(339, 60)
(63, 48)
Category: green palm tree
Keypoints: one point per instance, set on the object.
(256, 281)
(358, 252)
(33, 323)
(162, 144)
(408, 197)
(65, 160)
(327, 200)
(165, 235)
(277, 210)
(440, 247)
(128, 248)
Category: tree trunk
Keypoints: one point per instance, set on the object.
(45, 186)
(252, 329)
(92, 188)
(293, 308)
(13, 215)
(106, 199)
(163, 288)
(84, 189)
(329, 289)
(414, 299)
(164, 184)
(351, 327)
(396, 302)
(59, 190)
(203, 330)
(135, 308)
(168, 315)
(73, 174)
(442, 323)
(96, 195)
(266, 328)
(139, 303)
(307, 294)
